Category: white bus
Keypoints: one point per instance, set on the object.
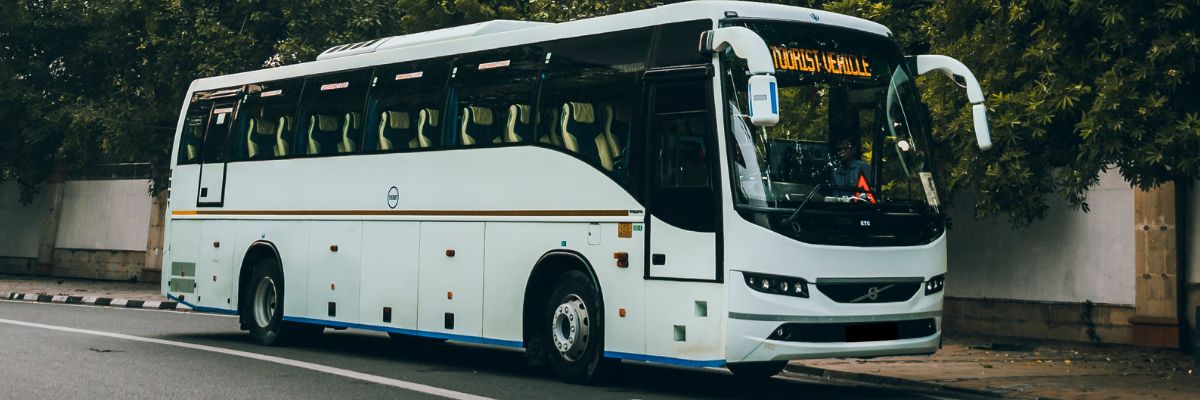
(701, 184)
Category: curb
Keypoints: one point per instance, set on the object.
(96, 301)
(888, 381)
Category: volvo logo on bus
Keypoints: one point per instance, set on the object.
(393, 197)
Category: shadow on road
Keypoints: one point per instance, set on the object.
(376, 353)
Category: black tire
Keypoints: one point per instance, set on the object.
(757, 370)
(264, 308)
(573, 312)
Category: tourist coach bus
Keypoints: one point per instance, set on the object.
(702, 184)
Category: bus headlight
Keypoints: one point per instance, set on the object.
(775, 284)
(935, 284)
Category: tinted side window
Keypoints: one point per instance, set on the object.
(591, 87)
(491, 96)
(266, 122)
(679, 44)
(331, 113)
(405, 108)
(683, 142)
(191, 139)
(217, 133)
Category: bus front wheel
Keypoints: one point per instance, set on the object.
(574, 331)
(266, 308)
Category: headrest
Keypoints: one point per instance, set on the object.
(264, 127)
(353, 120)
(326, 123)
(479, 115)
(430, 116)
(521, 111)
(581, 112)
(397, 119)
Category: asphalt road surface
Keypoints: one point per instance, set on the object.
(63, 351)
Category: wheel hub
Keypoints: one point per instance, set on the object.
(571, 327)
(265, 300)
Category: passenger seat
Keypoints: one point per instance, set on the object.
(352, 126)
(322, 131)
(518, 126)
(582, 135)
(281, 143)
(395, 126)
(478, 126)
(426, 126)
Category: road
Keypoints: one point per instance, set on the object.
(68, 351)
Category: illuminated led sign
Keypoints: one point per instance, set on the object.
(819, 61)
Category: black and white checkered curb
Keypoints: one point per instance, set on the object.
(96, 301)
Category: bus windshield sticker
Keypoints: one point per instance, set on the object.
(494, 64)
(930, 191)
(223, 110)
(819, 61)
(410, 75)
(335, 86)
(220, 119)
(275, 92)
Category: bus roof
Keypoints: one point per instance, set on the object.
(502, 33)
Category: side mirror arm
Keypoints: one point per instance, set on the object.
(962, 76)
(762, 86)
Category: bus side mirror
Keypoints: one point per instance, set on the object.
(962, 76)
(764, 100)
(762, 87)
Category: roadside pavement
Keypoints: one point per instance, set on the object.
(971, 367)
(144, 291)
(1016, 368)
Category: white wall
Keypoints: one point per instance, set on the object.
(1069, 256)
(20, 225)
(104, 215)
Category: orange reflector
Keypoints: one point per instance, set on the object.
(333, 248)
(449, 252)
(622, 259)
(450, 295)
(622, 312)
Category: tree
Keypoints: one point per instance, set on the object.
(1074, 87)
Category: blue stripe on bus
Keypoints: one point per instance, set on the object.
(464, 338)
(413, 332)
(202, 308)
(665, 360)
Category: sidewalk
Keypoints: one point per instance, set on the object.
(1018, 368)
(79, 287)
(967, 366)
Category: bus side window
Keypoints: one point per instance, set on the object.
(266, 120)
(405, 106)
(683, 146)
(331, 113)
(589, 90)
(192, 138)
(485, 87)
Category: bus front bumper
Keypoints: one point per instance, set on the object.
(748, 343)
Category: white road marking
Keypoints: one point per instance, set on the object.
(416, 387)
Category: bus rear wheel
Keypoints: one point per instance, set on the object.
(574, 331)
(757, 370)
(265, 308)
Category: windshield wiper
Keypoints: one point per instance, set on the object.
(791, 220)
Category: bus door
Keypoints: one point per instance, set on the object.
(682, 197)
(214, 155)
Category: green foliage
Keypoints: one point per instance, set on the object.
(1073, 87)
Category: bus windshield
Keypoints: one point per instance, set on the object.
(851, 137)
(851, 131)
